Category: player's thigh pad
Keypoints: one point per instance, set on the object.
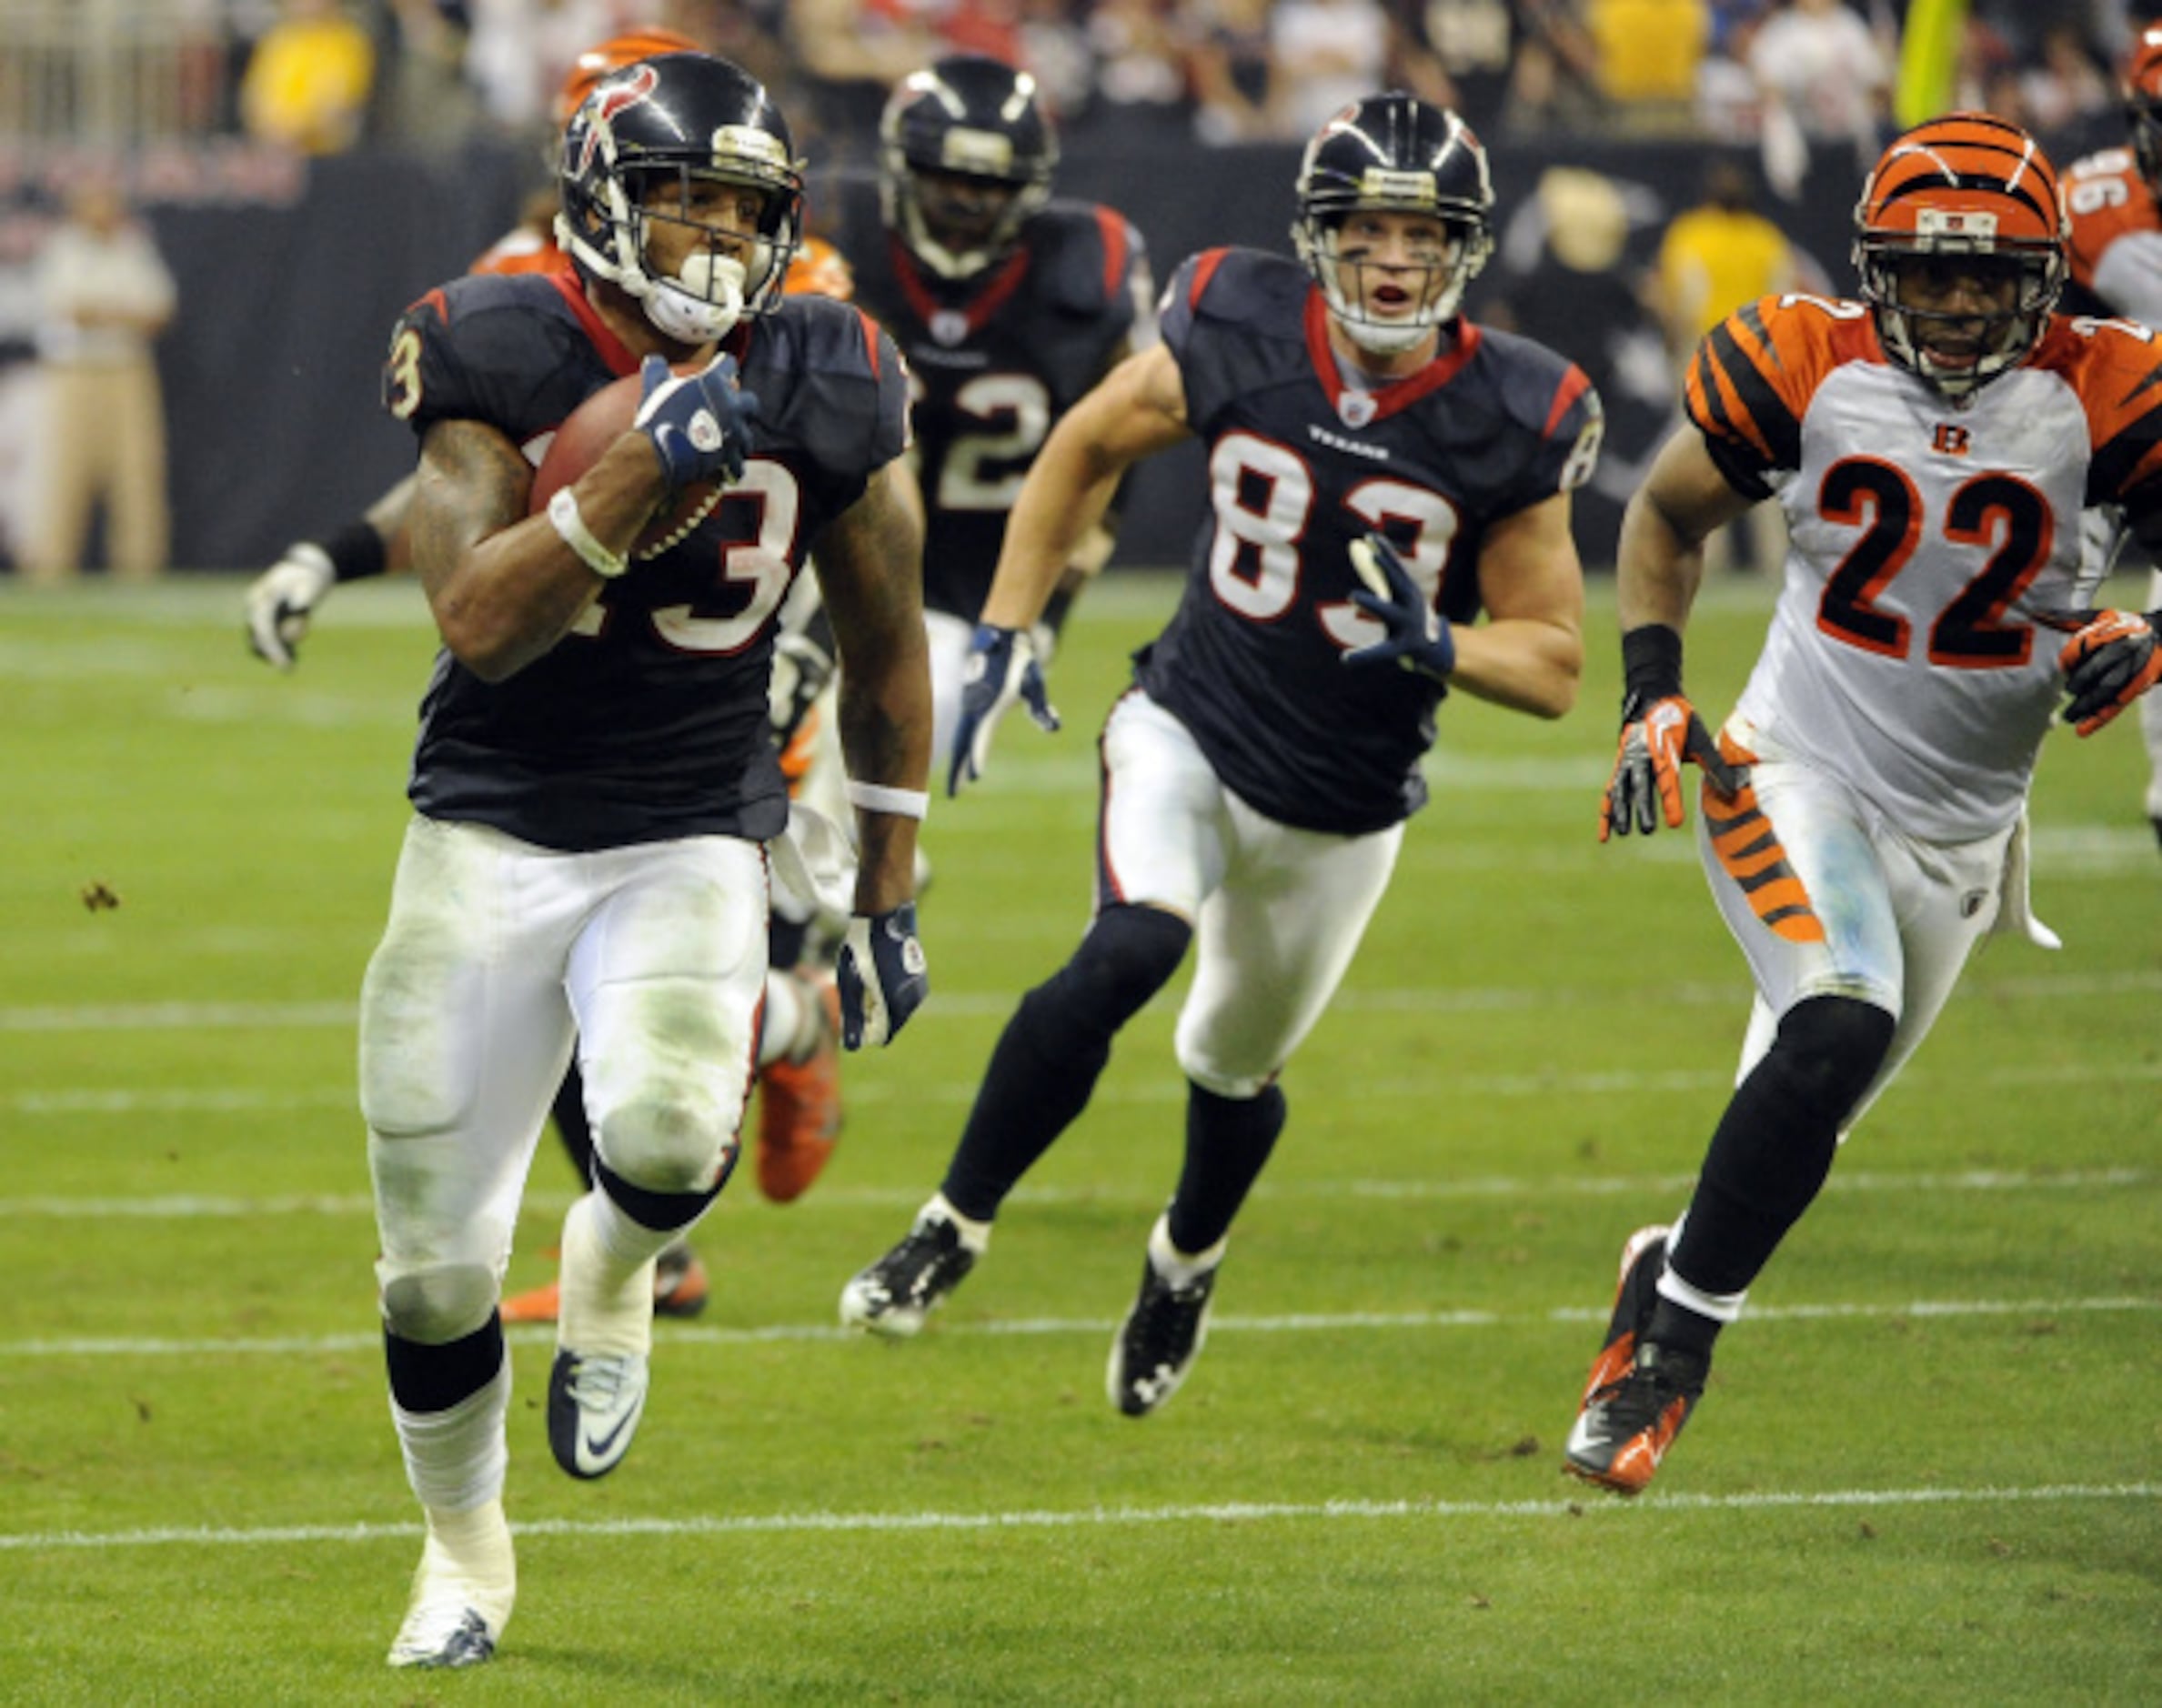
(667, 979)
(1947, 898)
(1165, 831)
(1273, 942)
(1794, 865)
(463, 1035)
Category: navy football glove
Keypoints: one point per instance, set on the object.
(1418, 637)
(1002, 668)
(2111, 662)
(699, 423)
(874, 1007)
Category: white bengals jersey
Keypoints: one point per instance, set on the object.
(1905, 656)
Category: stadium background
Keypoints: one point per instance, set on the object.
(292, 268)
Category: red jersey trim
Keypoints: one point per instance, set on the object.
(1397, 395)
(613, 350)
(1204, 269)
(1113, 228)
(1004, 281)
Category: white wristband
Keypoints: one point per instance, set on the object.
(902, 803)
(570, 527)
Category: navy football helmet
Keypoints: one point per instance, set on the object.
(1396, 154)
(678, 119)
(966, 152)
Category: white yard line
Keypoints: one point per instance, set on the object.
(151, 1346)
(1104, 1517)
(205, 1206)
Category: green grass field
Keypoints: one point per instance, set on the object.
(1925, 1472)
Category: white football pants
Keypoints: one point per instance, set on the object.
(1278, 913)
(495, 953)
(1827, 898)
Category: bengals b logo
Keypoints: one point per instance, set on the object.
(1950, 440)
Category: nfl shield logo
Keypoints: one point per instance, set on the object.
(949, 326)
(1356, 408)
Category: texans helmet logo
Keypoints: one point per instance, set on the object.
(608, 100)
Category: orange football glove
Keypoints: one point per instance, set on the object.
(1657, 740)
(2112, 659)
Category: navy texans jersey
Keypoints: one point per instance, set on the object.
(1300, 464)
(647, 720)
(996, 360)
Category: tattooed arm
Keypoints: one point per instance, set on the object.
(870, 570)
(503, 586)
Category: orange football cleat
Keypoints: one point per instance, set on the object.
(799, 1108)
(538, 1305)
(680, 1290)
(1639, 1393)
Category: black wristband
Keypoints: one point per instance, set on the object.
(1651, 664)
(356, 552)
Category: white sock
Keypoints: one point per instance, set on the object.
(473, 1547)
(606, 1306)
(1719, 1307)
(626, 1243)
(456, 1459)
(1181, 1269)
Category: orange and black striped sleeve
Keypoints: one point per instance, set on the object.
(1748, 385)
(2122, 389)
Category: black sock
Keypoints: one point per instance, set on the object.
(436, 1377)
(1046, 1064)
(1227, 1140)
(1774, 1145)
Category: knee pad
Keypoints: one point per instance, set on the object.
(1827, 1052)
(669, 1137)
(432, 1306)
(1128, 955)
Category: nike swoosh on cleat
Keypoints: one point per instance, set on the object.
(596, 1448)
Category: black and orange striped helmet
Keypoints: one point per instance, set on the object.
(2143, 101)
(819, 270)
(611, 55)
(1978, 189)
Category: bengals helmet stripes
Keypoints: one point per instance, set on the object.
(609, 58)
(1973, 185)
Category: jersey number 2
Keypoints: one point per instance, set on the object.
(1969, 633)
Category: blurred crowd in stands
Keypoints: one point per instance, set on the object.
(1663, 150)
(324, 75)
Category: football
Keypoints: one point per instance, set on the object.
(590, 428)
